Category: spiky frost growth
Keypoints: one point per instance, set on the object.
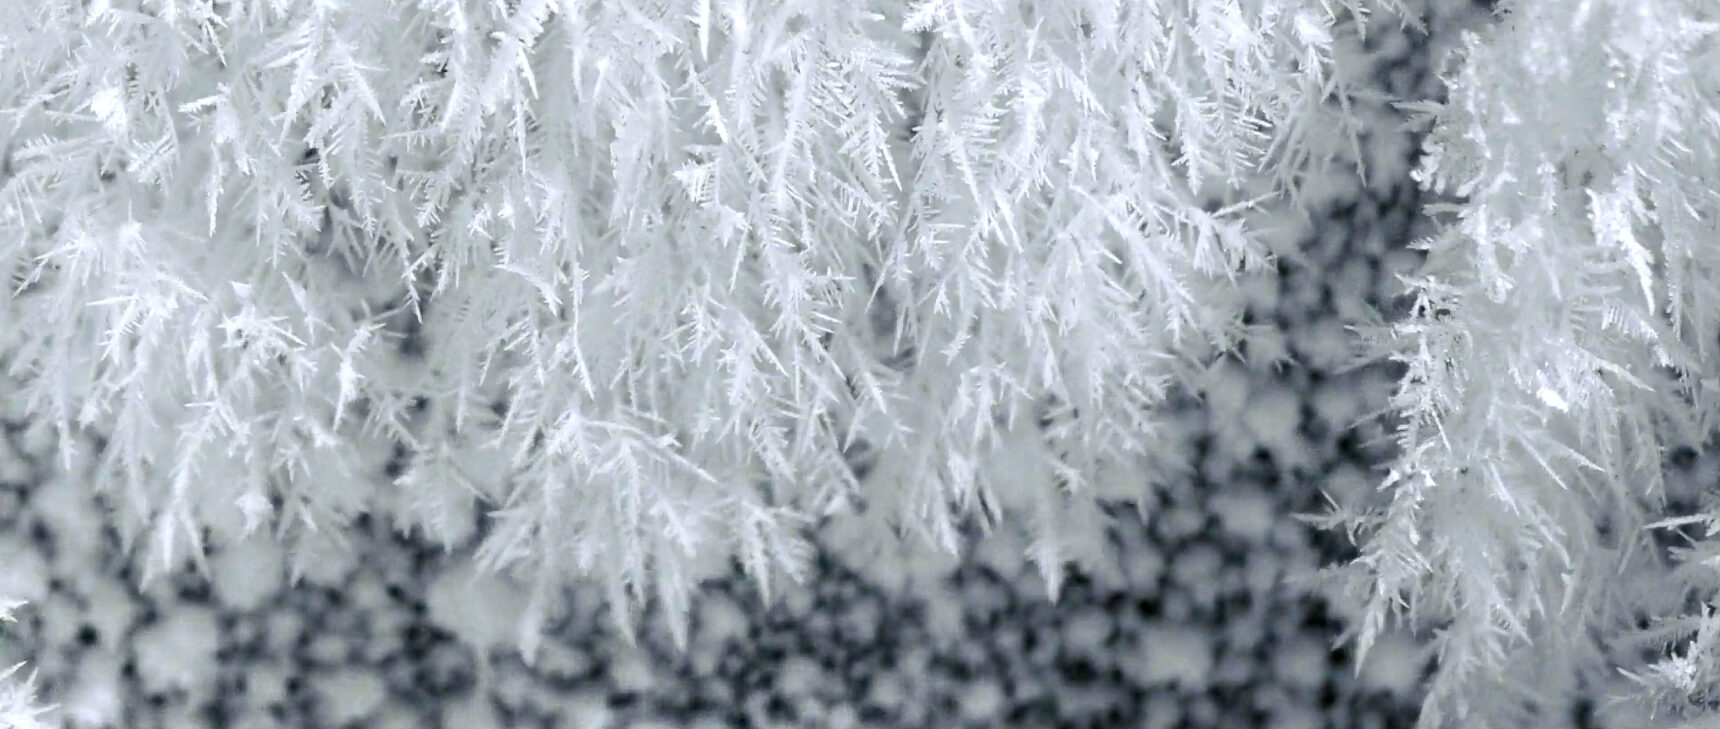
(1561, 345)
(643, 278)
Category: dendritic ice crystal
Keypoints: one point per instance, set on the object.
(517, 362)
